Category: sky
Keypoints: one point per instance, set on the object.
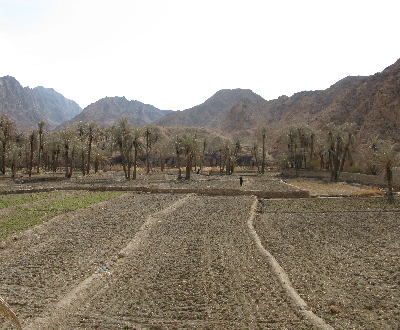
(175, 54)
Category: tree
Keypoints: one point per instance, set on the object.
(163, 147)
(7, 128)
(341, 141)
(92, 134)
(14, 155)
(137, 146)
(190, 149)
(261, 134)
(41, 124)
(176, 144)
(82, 134)
(32, 143)
(387, 156)
(123, 141)
(255, 152)
(151, 136)
(66, 139)
(295, 151)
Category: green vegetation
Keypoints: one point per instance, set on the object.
(20, 199)
(24, 218)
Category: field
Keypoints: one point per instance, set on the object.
(162, 258)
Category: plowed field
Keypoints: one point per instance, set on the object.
(187, 261)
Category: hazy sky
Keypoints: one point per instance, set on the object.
(174, 54)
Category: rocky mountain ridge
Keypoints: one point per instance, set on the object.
(26, 106)
(210, 113)
(372, 102)
(109, 109)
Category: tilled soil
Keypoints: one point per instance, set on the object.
(166, 262)
(41, 265)
(157, 261)
(198, 269)
(342, 256)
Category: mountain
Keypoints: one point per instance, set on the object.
(210, 113)
(26, 106)
(277, 114)
(109, 109)
(372, 102)
(54, 106)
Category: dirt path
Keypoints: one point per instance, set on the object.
(179, 262)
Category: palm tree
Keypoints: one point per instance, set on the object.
(386, 154)
(92, 133)
(41, 124)
(349, 132)
(7, 128)
(137, 145)
(66, 139)
(264, 136)
(177, 146)
(255, 152)
(123, 141)
(190, 149)
(32, 141)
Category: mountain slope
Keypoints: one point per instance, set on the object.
(373, 103)
(26, 106)
(210, 113)
(55, 107)
(281, 112)
(109, 109)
